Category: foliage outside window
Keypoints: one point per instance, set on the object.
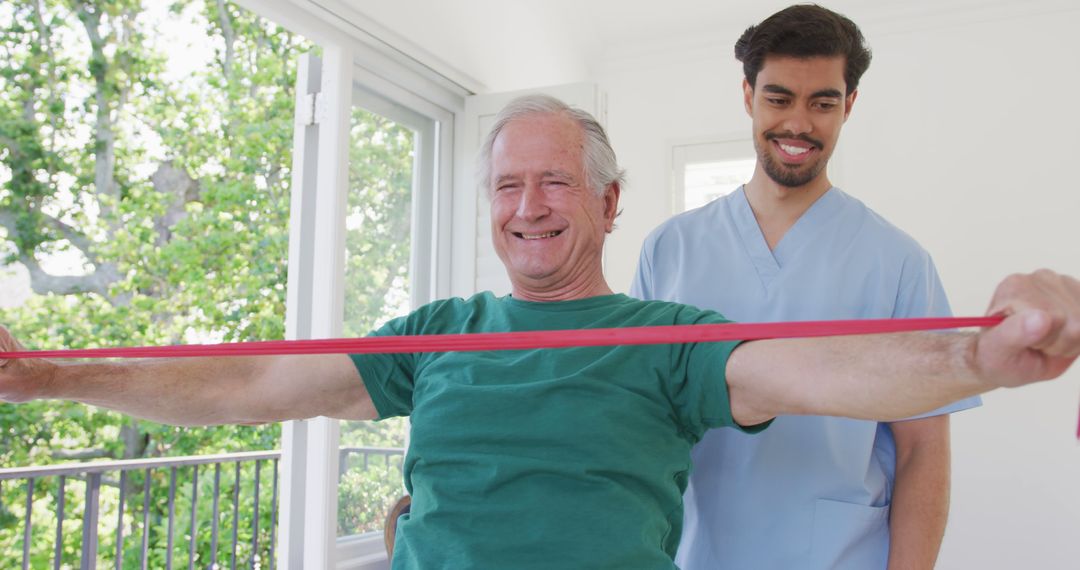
(377, 243)
(145, 194)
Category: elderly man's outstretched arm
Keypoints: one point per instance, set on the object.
(892, 377)
(197, 391)
(883, 377)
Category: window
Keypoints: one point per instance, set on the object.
(159, 169)
(706, 171)
(367, 243)
(390, 158)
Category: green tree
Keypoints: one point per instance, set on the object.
(173, 194)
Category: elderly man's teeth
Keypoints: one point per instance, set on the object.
(794, 149)
(540, 236)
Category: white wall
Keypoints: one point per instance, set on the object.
(965, 134)
(484, 45)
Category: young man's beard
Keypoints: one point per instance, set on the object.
(786, 176)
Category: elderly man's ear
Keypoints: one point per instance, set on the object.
(611, 205)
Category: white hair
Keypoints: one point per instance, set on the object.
(601, 168)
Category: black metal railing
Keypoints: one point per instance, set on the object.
(251, 540)
(387, 453)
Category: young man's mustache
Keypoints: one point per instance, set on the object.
(789, 135)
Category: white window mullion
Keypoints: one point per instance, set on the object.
(315, 298)
(299, 295)
(328, 269)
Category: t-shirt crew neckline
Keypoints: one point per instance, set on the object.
(561, 306)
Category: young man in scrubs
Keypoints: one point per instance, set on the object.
(811, 491)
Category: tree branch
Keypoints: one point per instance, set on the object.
(229, 36)
(261, 42)
(74, 236)
(78, 239)
(43, 282)
(13, 147)
(105, 139)
(45, 35)
(182, 188)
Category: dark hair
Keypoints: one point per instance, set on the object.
(804, 30)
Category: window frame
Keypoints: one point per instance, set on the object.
(351, 57)
(713, 149)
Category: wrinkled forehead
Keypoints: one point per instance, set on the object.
(540, 141)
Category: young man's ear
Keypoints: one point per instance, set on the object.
(849, 102)
(748, 96)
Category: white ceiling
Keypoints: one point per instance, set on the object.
(496, 45)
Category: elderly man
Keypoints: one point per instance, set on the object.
(571, 458)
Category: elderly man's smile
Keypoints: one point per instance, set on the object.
(536, 236)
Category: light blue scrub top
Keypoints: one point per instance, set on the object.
(809, 492)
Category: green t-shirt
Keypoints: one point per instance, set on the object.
(552, 458)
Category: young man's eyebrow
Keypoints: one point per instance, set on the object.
(833, 93)
(778, 89)
(781, 90)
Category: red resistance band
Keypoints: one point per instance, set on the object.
(526, 340)
(675, 334)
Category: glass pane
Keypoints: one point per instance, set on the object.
(377, 288)
(707, 181)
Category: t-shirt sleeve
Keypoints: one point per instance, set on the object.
(388, 378)
(700, 391)
(921, 294)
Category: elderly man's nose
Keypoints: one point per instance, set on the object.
(531, 204)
